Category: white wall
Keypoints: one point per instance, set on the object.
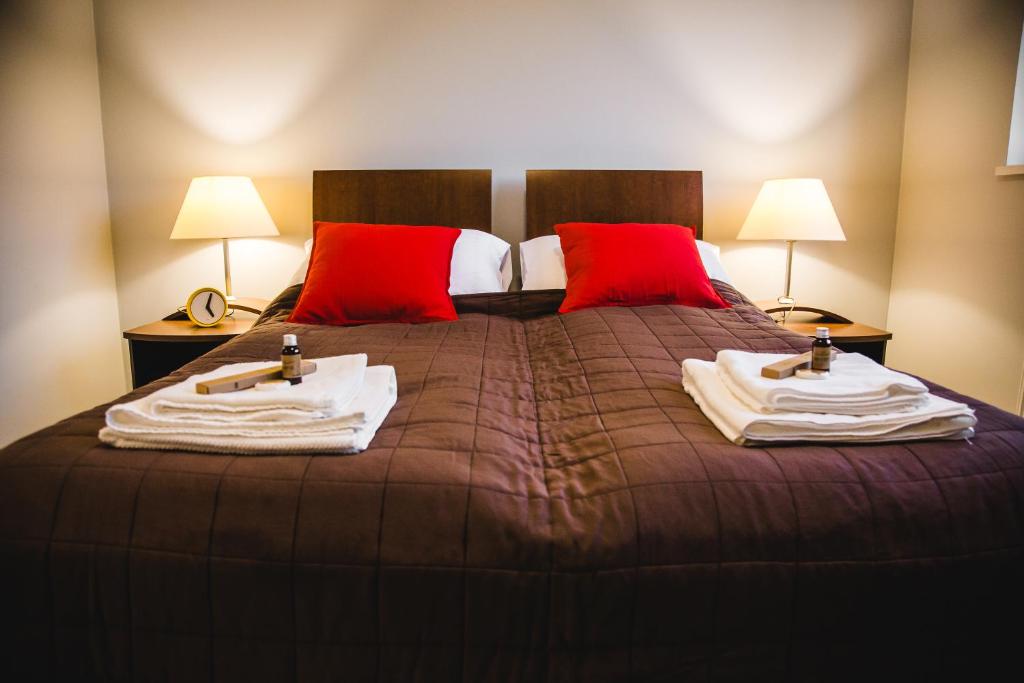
(1015, 149)
(59, 337)
(742, 90)
(957, 307)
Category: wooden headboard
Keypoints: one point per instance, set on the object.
(453, 198)
(554, 197)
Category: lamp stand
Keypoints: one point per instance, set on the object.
(786, 299)
(227, 271)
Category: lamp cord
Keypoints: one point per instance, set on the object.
(785, 313)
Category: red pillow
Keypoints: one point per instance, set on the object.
(633, 264)
(360, 273)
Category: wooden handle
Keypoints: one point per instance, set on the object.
(788, 366)
(246, 380)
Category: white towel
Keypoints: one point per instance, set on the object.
(938, 418)
(325, 393)
(372, 403)
(856, 385)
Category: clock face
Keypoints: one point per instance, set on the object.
(206, 307)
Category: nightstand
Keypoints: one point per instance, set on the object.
(159, 348)
(845, 334)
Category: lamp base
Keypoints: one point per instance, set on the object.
(789, 303)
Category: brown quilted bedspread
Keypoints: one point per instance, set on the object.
(543, 504)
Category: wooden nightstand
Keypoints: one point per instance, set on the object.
(846, 334)
(159, 348)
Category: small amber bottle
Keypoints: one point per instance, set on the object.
(821, 350)
(291, 360)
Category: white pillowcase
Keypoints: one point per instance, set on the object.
(481, 263)
(299, 276)
(711, 257)
(543, 264)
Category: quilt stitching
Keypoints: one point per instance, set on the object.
(631, 436)
(718, 526)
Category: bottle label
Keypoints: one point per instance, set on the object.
(821, 357)
(291, 366)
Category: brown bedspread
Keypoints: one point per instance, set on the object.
(544, 503)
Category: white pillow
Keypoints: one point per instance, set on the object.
(299, 276)
(543, 264)
(481, 263)
(711, 257)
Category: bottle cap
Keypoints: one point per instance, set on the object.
(821, 332)
(290, 340)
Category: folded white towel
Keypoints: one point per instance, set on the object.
(134, 428)
(325, 393)
(857, 385)
(938, 418)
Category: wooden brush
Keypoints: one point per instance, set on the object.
(788, 366)
(246, 380)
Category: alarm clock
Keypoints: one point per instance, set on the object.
(206, 307)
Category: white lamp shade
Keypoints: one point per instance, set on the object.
(792, 209)
(221, 207)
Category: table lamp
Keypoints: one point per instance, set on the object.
(222, 207)
(792, 209)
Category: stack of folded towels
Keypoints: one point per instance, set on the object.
(337, 409)
(859, 401)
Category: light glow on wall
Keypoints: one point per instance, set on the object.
(237, 79)
(765, 99)
(1015, 152)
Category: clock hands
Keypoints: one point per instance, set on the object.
(209, 298)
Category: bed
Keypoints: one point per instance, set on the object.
(544, 503)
